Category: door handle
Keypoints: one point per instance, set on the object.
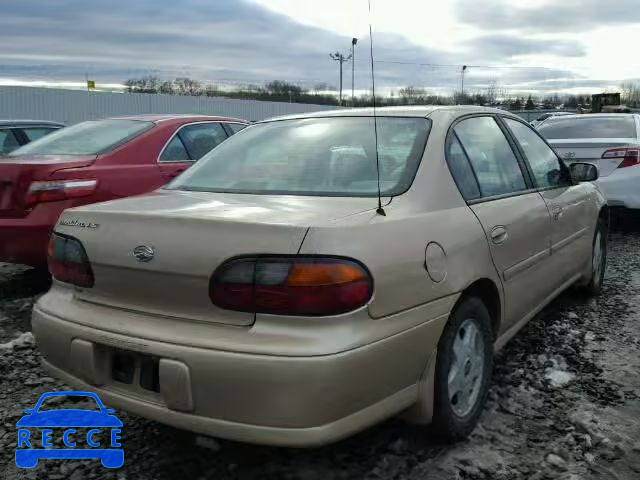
(557, 212)
(175, 173)
(499, 235)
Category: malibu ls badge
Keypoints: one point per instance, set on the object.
(74, 222)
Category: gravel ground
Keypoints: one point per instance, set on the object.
(565, 404)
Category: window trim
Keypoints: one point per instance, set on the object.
(164, 147)
(563, 166)
(493, 198)
(525, 172)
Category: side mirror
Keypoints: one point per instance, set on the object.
(583, 172)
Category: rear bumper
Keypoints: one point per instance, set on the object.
(23, 242)
(622, 187)
(266, 399)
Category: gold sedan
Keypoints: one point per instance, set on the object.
(317, 274)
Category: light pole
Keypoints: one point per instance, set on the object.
(464, 69)
(340, 58)
(354, 41)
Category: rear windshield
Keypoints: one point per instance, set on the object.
(334, 156)
(588, 127)
(86, 138)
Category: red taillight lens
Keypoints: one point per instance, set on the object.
(630, 156)
(68, 261)
(309, 286)
(54, 191)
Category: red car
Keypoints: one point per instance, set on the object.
(92, 162)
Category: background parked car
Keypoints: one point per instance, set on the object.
(15, 133)
(545, 116)
(92, 162)
(609, 141)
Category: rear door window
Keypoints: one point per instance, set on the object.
(8, 141)
(543, 161)
(589, 127)
(34, 133)
(199, 139)
(492, 158)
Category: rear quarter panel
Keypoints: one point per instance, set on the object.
(393, 246)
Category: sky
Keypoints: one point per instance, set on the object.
(539, 46)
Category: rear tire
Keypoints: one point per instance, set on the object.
(463, 370)
(598, 259)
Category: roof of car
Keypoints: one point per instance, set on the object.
(598, 115)
(18, 123)
(404, 111)
(168, 117)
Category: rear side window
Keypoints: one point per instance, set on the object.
(589, 127)
(8, 141)
(492, 158)
(34, 133)
(86, 138)
(461, 169)
(175, 151)
(235, 127)
(199, 139)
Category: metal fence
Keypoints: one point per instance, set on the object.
(72, 106)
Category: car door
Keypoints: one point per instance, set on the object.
(513, 214)
(567, 203)
(189, 144)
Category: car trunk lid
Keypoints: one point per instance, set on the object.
(17, 173)
(591, 151)
(189, 234)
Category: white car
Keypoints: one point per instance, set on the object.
(609, 141)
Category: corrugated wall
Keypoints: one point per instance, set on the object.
(72, 106)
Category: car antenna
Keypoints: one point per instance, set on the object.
(379, 210)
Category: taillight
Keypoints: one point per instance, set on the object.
(68, 261)
(57, 190)
(629, 156)
(307, 286)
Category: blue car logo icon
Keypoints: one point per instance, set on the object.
(35, 431)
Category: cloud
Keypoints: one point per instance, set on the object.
(503, 45)
(238, 42)
(232, 41)
(560, 16)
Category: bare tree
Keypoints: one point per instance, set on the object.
(630, 94)
(187, 86)
(491, 92)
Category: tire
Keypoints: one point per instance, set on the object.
(456, 413)
(598, 261)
